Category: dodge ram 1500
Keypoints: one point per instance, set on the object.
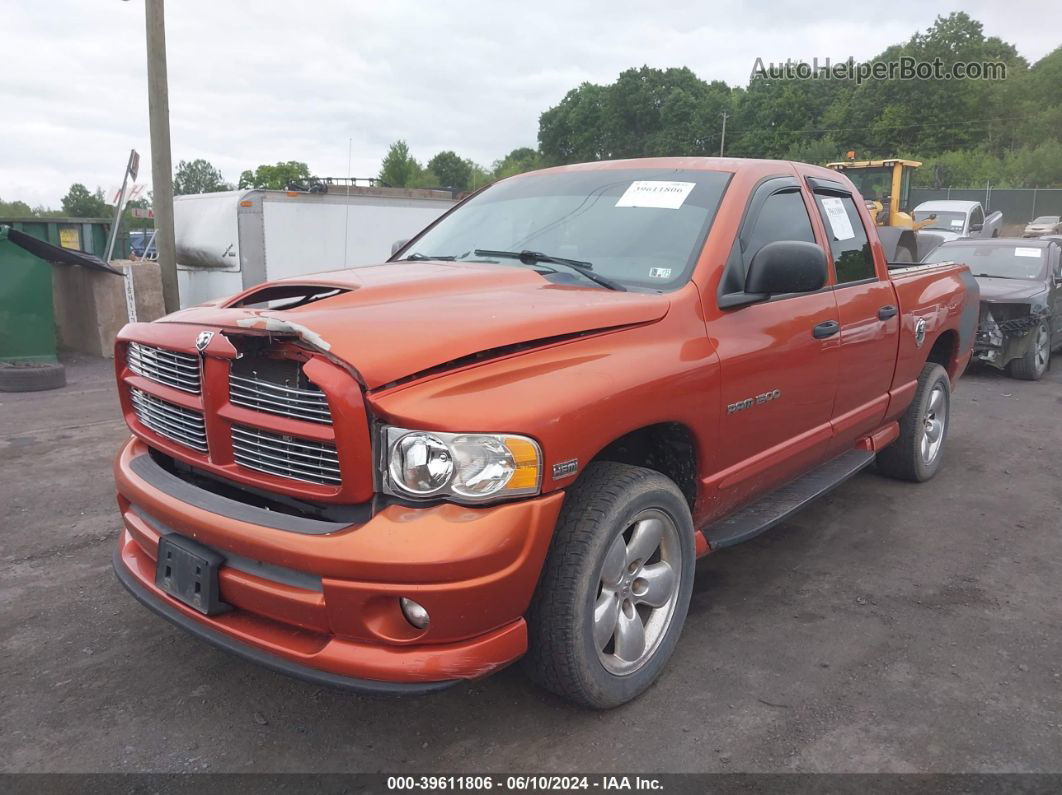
(515, 437)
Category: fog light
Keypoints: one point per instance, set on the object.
(415, 614)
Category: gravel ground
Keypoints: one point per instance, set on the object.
(890, 627)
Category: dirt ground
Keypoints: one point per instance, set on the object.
(890, 627)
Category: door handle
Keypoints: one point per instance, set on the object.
(886, 312)
(825, 329)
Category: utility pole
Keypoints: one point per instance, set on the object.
(722, 138)
(161, 165)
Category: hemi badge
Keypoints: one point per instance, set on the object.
(565, 468)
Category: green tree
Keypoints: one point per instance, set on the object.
(15, 209)
(80, 203)
(452, 171)
(646, 112)
(198, 176)
(399, 167)
(518, 161)
(277, 176)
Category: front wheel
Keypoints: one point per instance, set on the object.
(917, 453)
(1033, 365)
(615, 587)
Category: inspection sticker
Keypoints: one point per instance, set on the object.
(835, 212)
(1021, 251)
(654, 193)
(660, 273)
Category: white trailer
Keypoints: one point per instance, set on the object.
(236, 239)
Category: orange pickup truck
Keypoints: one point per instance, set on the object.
(515, 437)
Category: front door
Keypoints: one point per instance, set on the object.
(778, 363)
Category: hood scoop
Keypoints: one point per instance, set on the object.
(286, 296)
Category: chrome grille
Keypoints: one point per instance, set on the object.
(257, 393)
(179, 370)
(182, 425)
(285, 456)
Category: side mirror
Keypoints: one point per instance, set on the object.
(976, 227)
(397, 246)
(786, 266)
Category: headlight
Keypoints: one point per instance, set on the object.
(464, 467)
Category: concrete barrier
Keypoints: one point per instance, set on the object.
(90, 305)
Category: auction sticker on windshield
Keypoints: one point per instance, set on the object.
(654, 193)
(839, 223)
(1026, 252)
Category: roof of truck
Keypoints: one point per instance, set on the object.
(958, 205)
(731, 164)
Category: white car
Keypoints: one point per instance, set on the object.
(951, 219)
(1043, 225)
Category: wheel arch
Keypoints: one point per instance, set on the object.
(945, 352)
(669, 448)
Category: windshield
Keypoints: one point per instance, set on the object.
(1046, 219)
(949, 221)
(1005, 261)
(639, 227)
(873, 184)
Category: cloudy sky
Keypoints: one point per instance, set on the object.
(273, 80)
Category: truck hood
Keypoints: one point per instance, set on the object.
(395, 320)
(995, 289)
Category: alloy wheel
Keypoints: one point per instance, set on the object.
(637, 591)
(934, 424)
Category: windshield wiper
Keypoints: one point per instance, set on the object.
(417, 256)
(533, 257)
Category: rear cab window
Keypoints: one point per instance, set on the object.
(852, 258)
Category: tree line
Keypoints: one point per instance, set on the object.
(1007, 132)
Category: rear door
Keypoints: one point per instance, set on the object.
(868, 313)
(778, 373)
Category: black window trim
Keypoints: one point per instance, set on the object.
(765, 188)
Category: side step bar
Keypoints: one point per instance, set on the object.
(781, 503)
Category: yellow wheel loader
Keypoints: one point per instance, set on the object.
(885, 186)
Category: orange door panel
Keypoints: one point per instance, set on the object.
(778, 385)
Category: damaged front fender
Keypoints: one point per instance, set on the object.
(1005, 331)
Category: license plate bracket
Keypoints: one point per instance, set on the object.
(188, 571)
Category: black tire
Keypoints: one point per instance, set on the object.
(1031, 367)
(32, 378)
(904, 458)
(598, 509)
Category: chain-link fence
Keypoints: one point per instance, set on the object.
(1018, 205)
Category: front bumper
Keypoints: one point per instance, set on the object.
(322, 603)
(999, 342)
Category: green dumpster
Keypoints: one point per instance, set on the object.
(28, 359)
(27, 322)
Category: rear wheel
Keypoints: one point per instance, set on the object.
(1033, 365)
(615, 587)
(917, 453)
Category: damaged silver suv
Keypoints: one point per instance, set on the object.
(1021, 300)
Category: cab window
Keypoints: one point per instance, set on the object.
(849, 244)
(782, 217)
